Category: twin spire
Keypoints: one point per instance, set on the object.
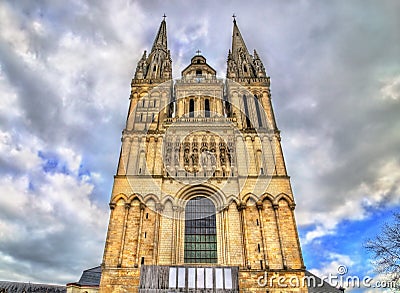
(160, 42)
(241, 64)
(158, 64)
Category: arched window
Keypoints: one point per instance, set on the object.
(191, 108)
(200, 231)
(207, 107)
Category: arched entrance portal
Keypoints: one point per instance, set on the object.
(200, 231)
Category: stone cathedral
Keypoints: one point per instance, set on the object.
(201, 201)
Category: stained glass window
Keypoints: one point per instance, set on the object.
(200, 231)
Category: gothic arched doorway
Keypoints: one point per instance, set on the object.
(200, 231)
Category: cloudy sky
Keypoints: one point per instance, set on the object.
(65, 71)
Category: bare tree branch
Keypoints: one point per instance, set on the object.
(385, 250)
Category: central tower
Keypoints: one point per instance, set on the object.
(201, 200)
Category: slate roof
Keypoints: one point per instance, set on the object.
(17, 287)
(90, 277)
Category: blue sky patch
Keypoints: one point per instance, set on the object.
(52, 163)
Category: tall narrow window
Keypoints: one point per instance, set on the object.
(258, 111)
(228, 109)
(246, 111)
(207, 108)
(200, 231)
(191, 108)
(142, 162)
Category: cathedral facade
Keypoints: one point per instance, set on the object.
(201, 201)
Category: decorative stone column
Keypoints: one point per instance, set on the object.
(142, 207)
(175, 228)
(159, 210)
(276, 212)
(243, 225)
(125, 224)
(260, 216)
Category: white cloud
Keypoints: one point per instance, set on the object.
(8, 103)
(385, 187)
(318, 232)
(14, 198)
(391, 88)
(11, 30)
(382, 190)
(318, 149)
(59, 207)
(21, 154)
(72, 159)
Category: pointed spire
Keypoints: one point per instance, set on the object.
(241, 64)
(237, 39)
(158, 64)
(160, 42)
